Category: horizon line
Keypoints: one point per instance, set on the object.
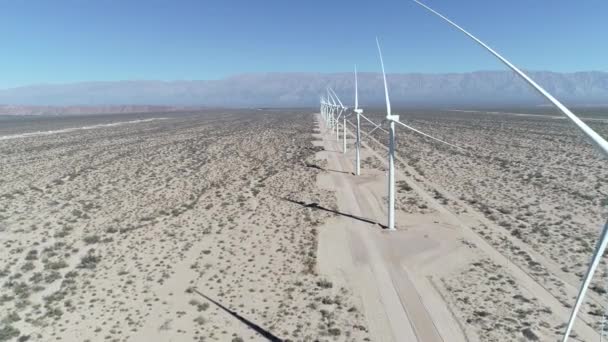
(51, 83)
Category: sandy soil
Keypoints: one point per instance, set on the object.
(177, 229)
(251, 226)
(528, 189)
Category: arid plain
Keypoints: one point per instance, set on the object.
(249, 225)
(172, 229)
(529, 192)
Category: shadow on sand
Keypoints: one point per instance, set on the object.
(314, 166)
(265, 333)
(317, 206)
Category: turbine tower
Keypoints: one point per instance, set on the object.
(358, 112)
(595, 138)
(391, 148)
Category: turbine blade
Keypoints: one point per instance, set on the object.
(337, 97)
(591, 134)
(373, 123)
(388, 101)
(427, 135)
(331, 97)
(597, 140)
(356, 90)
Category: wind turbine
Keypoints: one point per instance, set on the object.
(334, 109)
(340, 109)
(358, 112)
(595, 138)
(343, 114)
(322, 107)
(391, 148)
(328, 111)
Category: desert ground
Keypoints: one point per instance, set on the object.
(250, 225)
(528, 192)
(175, 229)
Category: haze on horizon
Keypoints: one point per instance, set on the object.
(72, 41)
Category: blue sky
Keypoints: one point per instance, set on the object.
(69, 41)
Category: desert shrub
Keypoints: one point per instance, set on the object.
(21, 289)
(12, 317)
(54, 312)
(334, 332)
(5, 298)
(325, 284)
(8, 332)
(28, 266)
(32, 255)
(199, 306)
(91, 239)
(89, 261)
(200, 320)
(51, 277)
(55, 265)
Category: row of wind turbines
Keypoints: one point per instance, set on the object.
(332, 109)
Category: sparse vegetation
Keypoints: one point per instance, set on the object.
(114, 226)
(91, 239)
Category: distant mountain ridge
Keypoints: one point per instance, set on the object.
(91, 109)
(291, 89)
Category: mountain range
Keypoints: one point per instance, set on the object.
(299, 89)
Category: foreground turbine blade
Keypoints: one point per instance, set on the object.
(597, 140)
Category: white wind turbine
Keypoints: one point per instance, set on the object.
(391, 148)
(393, 119)
(322, 108)
(343, 110)
(325, 110)
(334, 110)
(595, 138)
(358, 113)
(328, 111)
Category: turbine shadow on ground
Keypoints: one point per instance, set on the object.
(317, 206)
(265, 333)
(314, 166)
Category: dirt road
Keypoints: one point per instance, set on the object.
(371, 259)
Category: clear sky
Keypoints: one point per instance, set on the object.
(62, 41)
